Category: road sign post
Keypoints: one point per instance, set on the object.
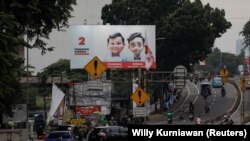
(224, 74)
(243, 84)
(180, 73)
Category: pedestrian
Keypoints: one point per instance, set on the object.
(198, 120)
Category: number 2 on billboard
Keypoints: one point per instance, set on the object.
(81, 41)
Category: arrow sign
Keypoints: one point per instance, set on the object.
(95, 67)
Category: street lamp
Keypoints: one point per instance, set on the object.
(27, 76)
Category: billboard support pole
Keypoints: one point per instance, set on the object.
(145, 90)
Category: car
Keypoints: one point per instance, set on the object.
(60, 136)
(108, 133)
(75, 130)
(217, 82)
(206, 89)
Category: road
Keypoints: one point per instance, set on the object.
(218, 105)
(238, 116)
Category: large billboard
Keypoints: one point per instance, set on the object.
(117, 46)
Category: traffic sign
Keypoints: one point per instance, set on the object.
(139, 96)
(224, 72)
(95, 67)
(140, 111)
(243, 84)
(180, 73)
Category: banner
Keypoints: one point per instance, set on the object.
(57, 97)
(90, 110)
(117, 46)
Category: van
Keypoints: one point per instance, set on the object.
(217, 82)
(205, 88)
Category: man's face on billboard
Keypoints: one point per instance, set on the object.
(115, 45)
(136, 46)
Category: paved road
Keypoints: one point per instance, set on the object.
(218, 104)
(238, 116)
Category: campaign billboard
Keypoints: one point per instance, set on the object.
(117, 46)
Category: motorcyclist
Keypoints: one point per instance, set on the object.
(206, 107)
(223, 91)
(191, 108)
(191, 111)
(181, 112)
(170, 117)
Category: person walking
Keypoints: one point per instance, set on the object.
(198, 120)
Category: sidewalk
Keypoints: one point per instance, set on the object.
(161, 114)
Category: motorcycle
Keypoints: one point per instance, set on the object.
(191, 117)
(207, 109)
(195, 81)
(170, 120)
(170, 117)
(227, 122)
(181, 116)
(223, 92)
(181, 113)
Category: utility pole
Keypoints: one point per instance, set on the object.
(243, 108)
(27, 98)
(243, 89)
(74, 96)
(145, 90)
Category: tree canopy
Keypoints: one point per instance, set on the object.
(62, 67)
(217, 60)
(246, 33)
(35, 19)
(187, 29)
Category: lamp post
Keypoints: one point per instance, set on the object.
(27, 76)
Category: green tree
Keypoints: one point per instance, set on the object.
(188, 29)
(62, 67)
(35, 19)
(217, 60)
(246, 33)
(10, 64)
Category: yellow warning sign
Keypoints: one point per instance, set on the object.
(95, 67)
(139, 96)
(243, 84)
(224, 72)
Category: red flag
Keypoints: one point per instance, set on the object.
(150, 61)
(246, 60)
